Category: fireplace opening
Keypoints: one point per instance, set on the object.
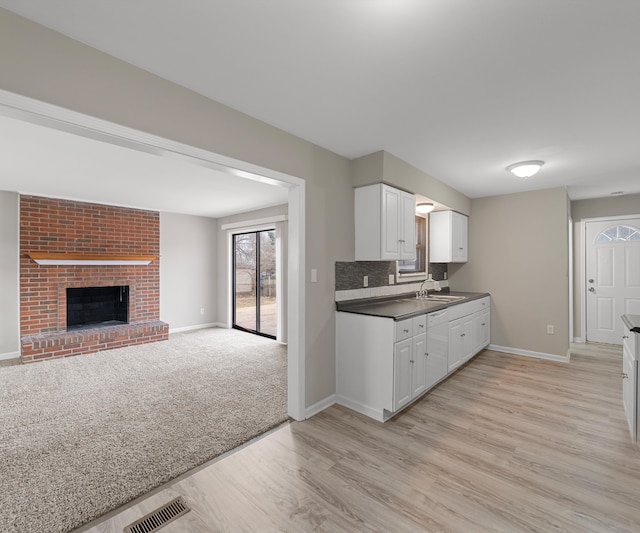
(90, 307)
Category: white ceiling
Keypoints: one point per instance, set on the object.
(458, 88)
(47, 162)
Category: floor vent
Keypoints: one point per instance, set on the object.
(159, 518)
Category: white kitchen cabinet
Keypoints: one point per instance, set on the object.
(402, 370)
(383, 365)
(448, 237)
(630, 380)
(466, 334)
(385, 224)
(437, 364)
(409, 360)
(460, 341)
(482, 330)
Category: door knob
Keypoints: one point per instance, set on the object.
(590, 281)
(591, 289)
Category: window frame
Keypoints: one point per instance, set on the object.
(422, 230)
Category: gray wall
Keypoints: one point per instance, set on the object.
(39, 63)
(9, 254)
(386, 167)
(594, 208)
(519, 252)
(188, 263)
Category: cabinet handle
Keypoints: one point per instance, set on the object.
(406, 330)
(411, 361)
(624, 376)
(483, 324)
(421, 325)
(462, 334)
(625, 336)
(426, 354)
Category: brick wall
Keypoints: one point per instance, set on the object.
(63, 226)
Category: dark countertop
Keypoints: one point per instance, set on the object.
(400, 307)
(632, 322)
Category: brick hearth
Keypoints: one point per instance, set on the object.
(61, 226)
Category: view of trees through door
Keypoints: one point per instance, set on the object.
(254, 282)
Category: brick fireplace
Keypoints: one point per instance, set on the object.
(67, 245)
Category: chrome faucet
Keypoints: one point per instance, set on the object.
(422, 293)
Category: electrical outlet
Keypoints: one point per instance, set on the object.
(365, 281)
(202, 310)
(549, 330)
(392, 279)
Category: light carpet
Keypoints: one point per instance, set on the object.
(84, 435)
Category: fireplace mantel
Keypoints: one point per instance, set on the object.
(44, 258)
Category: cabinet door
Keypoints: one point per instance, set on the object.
(482, 330)
(419, 358)
(629, 391)
(459, 238)
(456, 344)
(390, 221)
(437, 353)
(407, 226)
(467, 337)
(402, 381)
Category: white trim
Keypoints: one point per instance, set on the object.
(37, 112)
(198, 326)
(9, 355)
(296, 297)
(579, 340)
(529, 353)
(257, 222)
(320, 406)
(376, 414)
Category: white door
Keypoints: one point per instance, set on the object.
(612, 276)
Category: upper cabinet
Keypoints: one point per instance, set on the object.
(448, 232)
(385, 223)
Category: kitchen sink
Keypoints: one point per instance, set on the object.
(444, 297)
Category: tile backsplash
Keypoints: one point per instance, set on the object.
(349, 275)
(349, 279)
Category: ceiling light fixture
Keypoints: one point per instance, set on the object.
(525, 169)
(424, 208)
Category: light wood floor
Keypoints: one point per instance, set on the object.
(508, 443)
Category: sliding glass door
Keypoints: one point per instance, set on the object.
(254, 282)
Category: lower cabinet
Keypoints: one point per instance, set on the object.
(460, 341)
(409, 363)
(383, 365)
(469, 331)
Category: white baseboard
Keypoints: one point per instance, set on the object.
(199, 326)
(361, 408)
(9, 355)
(529, 353)
(320, 406)
(579, 340)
